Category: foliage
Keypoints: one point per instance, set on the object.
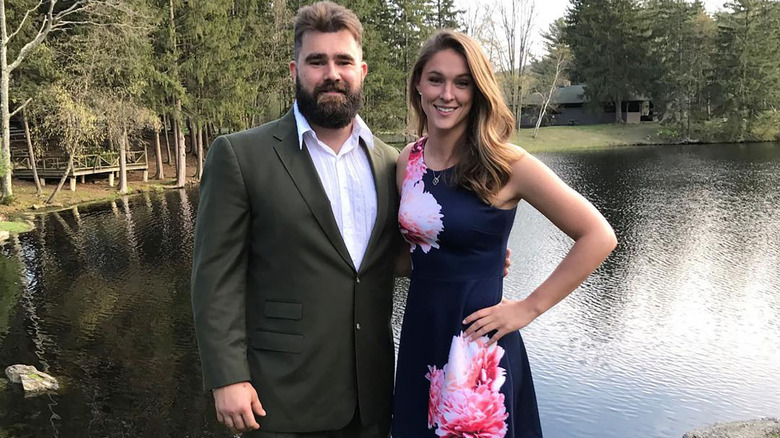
(607, 40)
(682, 36)
(748, 63)
(66, 118)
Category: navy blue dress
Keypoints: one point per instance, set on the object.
(445, 385)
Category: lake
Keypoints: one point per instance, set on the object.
(678, 329)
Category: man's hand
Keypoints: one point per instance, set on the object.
(236, 405)
(507, 262)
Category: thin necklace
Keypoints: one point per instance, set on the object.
(435, 179)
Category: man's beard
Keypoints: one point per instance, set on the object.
(331, 112)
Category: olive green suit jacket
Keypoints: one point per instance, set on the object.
(276, 298)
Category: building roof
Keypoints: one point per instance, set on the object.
(570, 95)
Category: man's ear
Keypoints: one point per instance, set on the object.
(364, 68)
(293, 70)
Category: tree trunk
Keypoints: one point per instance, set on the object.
(167, 143)
(158, 155)
(181, 173)
(31, 154)
(6, 188)
(200, 151)
(62, 180)
(193, 138)
(618, 110)
(547, 100)
(175, 128)
(123, 163)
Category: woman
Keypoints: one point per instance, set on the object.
(462, 367)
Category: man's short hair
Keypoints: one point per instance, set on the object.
(323, 17)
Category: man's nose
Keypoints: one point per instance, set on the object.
(331, 71)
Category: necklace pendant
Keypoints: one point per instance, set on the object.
(435, 180)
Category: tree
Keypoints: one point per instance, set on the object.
(517, 23)
(445, 15)
(748, 62)
(65, 117)
(407, 27)
(551, 71)
(682, 36)
(53, 19)
(607, 39)
(111, 67)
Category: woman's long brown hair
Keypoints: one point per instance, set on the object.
(483, 155)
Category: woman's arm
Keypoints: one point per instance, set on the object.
(403, 264)
(593, 238)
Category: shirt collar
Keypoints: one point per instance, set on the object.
(360, 128)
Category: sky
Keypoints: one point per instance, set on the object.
(549, 10)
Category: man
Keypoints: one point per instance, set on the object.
(295, 248)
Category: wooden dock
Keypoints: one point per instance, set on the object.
(52, 167)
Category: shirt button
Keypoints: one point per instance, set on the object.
(357, 326)
(357, 279)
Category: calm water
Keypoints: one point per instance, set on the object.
(678, 329)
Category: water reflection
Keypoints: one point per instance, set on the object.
(678, 329)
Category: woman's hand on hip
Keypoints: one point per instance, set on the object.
(505, 317)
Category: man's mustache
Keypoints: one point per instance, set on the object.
(329, 86)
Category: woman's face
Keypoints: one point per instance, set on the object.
(446, 91)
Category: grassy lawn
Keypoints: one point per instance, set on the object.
(14, 227)
(587, 136)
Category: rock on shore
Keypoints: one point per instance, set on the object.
(762, 428)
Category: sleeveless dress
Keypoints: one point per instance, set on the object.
(445, 385)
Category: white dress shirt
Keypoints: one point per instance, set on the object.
(347, 180)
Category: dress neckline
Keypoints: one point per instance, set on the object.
(423, 142)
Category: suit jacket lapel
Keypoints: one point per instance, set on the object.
(301, 168)
(376, 158)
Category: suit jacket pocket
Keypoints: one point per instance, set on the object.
(284, 342)
(283, 309)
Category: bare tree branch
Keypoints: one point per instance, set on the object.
(59, 26)
(30, 46)
(20, 108)
(26, 15)
(78, 6)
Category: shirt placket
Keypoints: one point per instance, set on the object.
(346, 205)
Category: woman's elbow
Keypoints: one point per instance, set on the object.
(608, 239)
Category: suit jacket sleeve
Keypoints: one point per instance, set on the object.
(219, 269)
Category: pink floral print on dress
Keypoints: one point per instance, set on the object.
(419, 215)
(465, 398)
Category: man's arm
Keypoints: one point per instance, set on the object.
(219, 288)
(219, 268)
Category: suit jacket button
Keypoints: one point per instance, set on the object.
(357, 326)
(357, 279)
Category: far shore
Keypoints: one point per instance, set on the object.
(557, 138)
(553, 138)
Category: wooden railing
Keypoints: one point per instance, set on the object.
(107, 161)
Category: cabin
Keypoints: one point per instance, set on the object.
(571, 106)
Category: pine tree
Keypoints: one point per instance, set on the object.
(607, 39)
(682, 36)
(748, 62)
